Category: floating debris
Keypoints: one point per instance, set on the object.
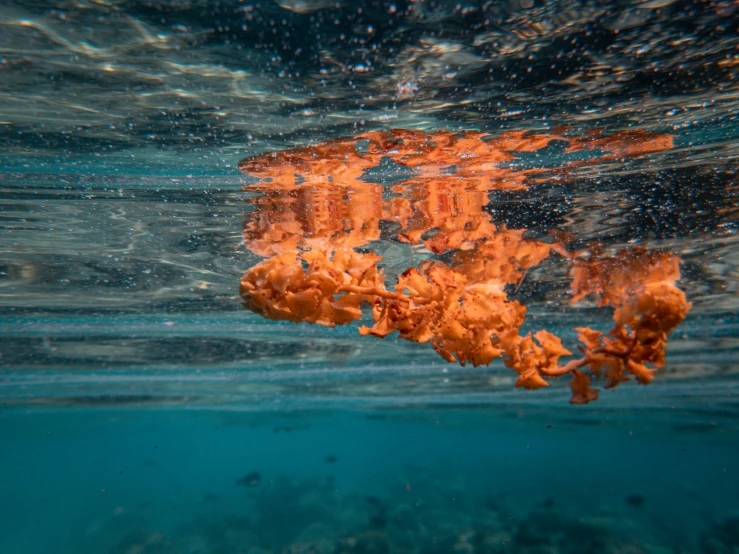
(461, 305)
(250, 480)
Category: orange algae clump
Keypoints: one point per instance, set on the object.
(282, 287)
(471, 153)
(534, 361)
(648, 306)
(315, 197)
(460, 317)
(314, 208)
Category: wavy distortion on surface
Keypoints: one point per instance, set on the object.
(315, 209)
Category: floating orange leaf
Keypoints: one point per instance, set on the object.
(582, 393)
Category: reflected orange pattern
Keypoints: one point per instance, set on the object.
(313, 216)
(314, 208)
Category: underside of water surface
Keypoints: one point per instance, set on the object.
(331, 277)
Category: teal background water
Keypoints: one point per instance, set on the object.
(167, 480)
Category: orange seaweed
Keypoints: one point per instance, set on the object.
(313, 208)
(462, 318)
(317, 287)
(582, 392)
(641, 287)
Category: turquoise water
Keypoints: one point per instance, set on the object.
(144, 410)
(498, 479)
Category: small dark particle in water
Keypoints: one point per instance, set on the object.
(250, 479)
(378, 521)
(373, 500)
(548, 503)
(290, 428)
(549, 425)
(635, 500)
(331, 459)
